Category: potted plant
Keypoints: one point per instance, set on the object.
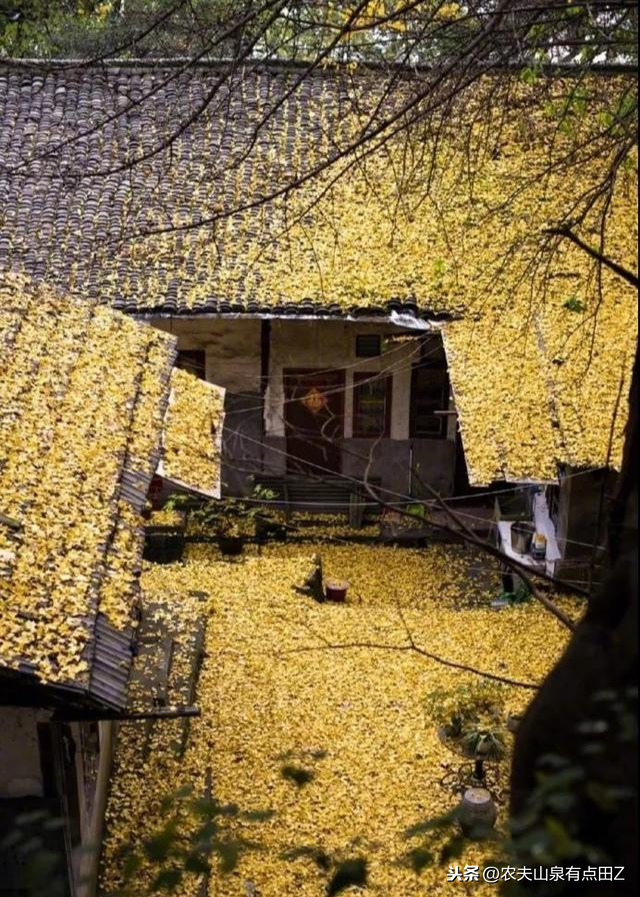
(222, 520)
(481, 743)
(164, 535)
(231, 521)
(231, 541)
(410, 526)
(268, 523)
(266, 528)
(471, 722)
(520, 595)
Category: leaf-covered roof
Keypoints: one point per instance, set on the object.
(192, 439)
(83, 397)
(539, 345)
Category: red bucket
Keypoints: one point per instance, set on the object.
(336, 591)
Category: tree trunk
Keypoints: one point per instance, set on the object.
(602, 654)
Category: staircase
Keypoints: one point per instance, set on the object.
(331, 495)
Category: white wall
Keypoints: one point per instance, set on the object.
(232, 348)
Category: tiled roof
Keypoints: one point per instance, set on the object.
(78, 232)
(538, 346)
(83, 397)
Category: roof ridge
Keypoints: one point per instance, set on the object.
(330, 67)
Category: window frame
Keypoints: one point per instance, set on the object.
(387, 379)
(441, 433)
(361, 339)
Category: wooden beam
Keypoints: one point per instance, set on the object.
(126, 715)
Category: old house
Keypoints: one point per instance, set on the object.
(90, 406)
(360, 323)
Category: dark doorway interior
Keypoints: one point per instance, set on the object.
(314, 420)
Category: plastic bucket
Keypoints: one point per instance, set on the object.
(336, 591)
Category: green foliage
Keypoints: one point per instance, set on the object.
(41, 28)
(226, 516)
(194, 837)
(547, 830)
(36, 839)
(483, 742)
(468, 705)
(521, 595)
(574, 303)
(416, 510)
(441, 841)
(380, 31)
(530, 74)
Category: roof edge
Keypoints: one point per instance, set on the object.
(284, 65)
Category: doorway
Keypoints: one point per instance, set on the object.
(314, 420)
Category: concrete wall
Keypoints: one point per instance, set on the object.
(242, 450)
(232, 348)
(232, 360)
(20, 771)
(332, 344)
(21, 776)
(253, 444)
(96, 802)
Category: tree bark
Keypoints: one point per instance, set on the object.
(602, 654)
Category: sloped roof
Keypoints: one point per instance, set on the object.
(83, 397)
(192, 437)
(539, 348)
(68, 123)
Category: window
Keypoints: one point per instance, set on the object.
(368, 345)
(371, 405)
(429, 393)
(191, 360)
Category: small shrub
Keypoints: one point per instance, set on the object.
(479, 704)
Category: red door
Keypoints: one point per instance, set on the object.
(314, 403)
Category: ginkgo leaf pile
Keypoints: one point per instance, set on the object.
(82, 402)
(351, 722)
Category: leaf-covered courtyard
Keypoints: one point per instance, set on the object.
(337, 741)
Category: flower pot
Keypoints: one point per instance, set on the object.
(163, 544)
(477, 811)
(231, 546)
(336, 591)
(521, 536)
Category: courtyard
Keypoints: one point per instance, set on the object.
(319, 712)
